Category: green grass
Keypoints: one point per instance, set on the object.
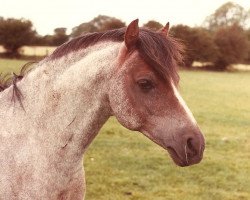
(7, 65)
(124, 165)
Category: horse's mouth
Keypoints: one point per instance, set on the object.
(181, 157)
(176, 158)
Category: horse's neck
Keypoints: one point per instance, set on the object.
(69, 100)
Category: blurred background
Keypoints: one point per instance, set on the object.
(215, 82)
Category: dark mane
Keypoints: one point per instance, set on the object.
(8, 79)
(161, 52)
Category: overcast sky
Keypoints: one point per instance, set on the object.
(47, 15)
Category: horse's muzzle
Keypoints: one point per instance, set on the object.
(188, 149)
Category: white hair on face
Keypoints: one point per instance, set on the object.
(165, 129)
(183, 104)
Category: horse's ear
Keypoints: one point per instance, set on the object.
(132, 34)
(165, 29)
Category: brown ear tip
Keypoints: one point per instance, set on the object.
(167, 26)
(164, 30)
(132, 34)
(136, 21)
(134, 24)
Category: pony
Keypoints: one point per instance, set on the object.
(61, 104)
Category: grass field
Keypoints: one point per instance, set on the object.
(7, 65)
(124, 165)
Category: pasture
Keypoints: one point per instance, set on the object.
(7, 65)
(124, 165)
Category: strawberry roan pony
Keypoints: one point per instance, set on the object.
(129, 73)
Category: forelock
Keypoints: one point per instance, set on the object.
(163, 53)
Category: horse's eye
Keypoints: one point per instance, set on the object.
(145, 84)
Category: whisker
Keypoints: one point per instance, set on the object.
(185, 149)
(200, 150)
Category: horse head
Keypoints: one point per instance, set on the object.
(143, 94)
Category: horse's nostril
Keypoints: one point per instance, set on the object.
(191, 146)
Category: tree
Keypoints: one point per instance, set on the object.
(227, 15)
(198, 42)
(154, 25)
(232, 45)
(39, 40)
(47, 40)
(60, 36)
(15, 33)
(57, 39)
(99, 23)
(112, 24)
(248, 44)
(83, 28)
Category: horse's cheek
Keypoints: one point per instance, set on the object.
(122, 107)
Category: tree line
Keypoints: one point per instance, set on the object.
(223, 38)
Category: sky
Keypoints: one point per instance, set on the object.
(47, 15)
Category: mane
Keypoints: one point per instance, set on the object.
(8, 79)
(162, 52)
